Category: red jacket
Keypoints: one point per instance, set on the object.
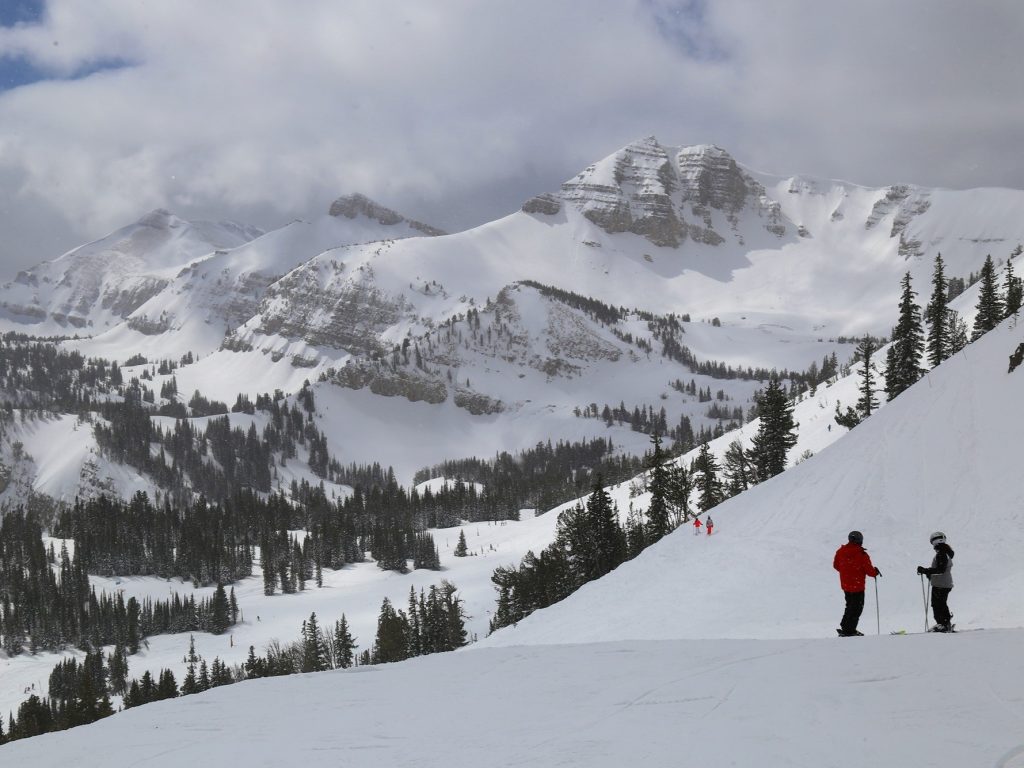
(854, 564)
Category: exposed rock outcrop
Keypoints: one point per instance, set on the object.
(391, 382)
(670, 195)
(546, 204)
(903, 200)
(344, 314)
(351, 206)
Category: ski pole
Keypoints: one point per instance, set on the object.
(929, 603)
(878, 620)
(924, 599)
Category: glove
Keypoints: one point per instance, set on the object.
(921, 570)
(877, 572)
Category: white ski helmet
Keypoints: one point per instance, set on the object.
(937, 538)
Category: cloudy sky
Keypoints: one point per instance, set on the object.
(455, 111)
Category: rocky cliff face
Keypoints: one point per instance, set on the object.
(351, 206)
(905, 202)
(669, 195)
(328, 306)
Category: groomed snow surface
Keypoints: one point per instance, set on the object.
(879, 701)
(634, 668)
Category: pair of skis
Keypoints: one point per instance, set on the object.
(952, 631)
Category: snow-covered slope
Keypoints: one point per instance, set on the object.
(893, 701)
(942, 456)
(57, 456)
(96, 286)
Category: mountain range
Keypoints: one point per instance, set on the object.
(371, 307)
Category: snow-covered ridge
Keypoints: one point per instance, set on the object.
(164, 274)
(98, 285)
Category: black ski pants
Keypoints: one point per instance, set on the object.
(854, 608)
(940, 608)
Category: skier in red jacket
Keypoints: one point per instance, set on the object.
(854, 564)
(696, 526)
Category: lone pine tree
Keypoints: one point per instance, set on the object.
(990, 303)
(903, 360)
(461, 550)
(867, 403)
(657, 484)
(776, 433)
(935, 316)
(709, 487)
(1013, 291)
(344, 644)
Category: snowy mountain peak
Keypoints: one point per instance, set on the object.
(669, 195)
(99, 284)
(356, 204)
(159, 218)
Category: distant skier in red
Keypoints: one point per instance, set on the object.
(696, 526)
(854, 565)
(710, 525)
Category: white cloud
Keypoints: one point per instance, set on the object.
(455, 111)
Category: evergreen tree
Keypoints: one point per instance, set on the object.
(117, 666)
(220, 618)
(678, 494)
(737, 469)
(166, 687)
(956, 331)
(903, 361)
(344, 644)
(391, 643)
(636, 536)
(990, 308)
(595, 542)
(935, 316)
(455, 627)
(867, 403)
(709, 487)
(776, 433)
(461, 550)
(1013, 291)
(658, 523)
(315, 655)
(255, 666)
(190, 684)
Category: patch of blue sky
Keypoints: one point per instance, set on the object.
(18, 70)
(683, 23)
(21, 12)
